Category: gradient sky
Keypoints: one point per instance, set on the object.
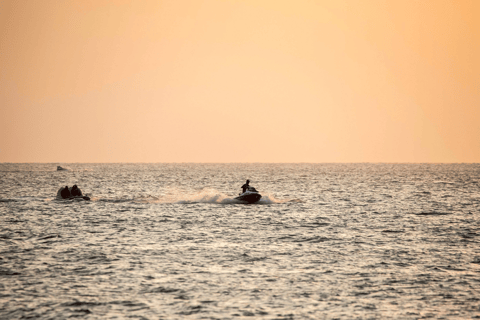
(240, 81)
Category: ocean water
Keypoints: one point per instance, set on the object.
(167, 241)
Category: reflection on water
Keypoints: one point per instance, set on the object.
(384, 241)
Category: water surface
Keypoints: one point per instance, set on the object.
(167, 241)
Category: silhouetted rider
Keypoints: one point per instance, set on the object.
(76, 191)
(65, 193)
(245, 186)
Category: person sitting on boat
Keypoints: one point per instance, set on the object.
(246, 186)
(65, 193)
(76, 192)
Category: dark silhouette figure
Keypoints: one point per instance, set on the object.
(245, 186)
(76, 192)
(65, 193)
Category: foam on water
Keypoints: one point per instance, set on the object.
(209, 195)
(206, 195)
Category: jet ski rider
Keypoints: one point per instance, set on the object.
(76, 192)
(65, 193)
(246, 186)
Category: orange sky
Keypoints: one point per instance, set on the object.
(240, 81)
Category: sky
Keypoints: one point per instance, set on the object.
(240, 81)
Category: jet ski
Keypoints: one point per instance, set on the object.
(249, 196)
(77, 197)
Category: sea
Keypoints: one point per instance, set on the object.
(169, 241)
